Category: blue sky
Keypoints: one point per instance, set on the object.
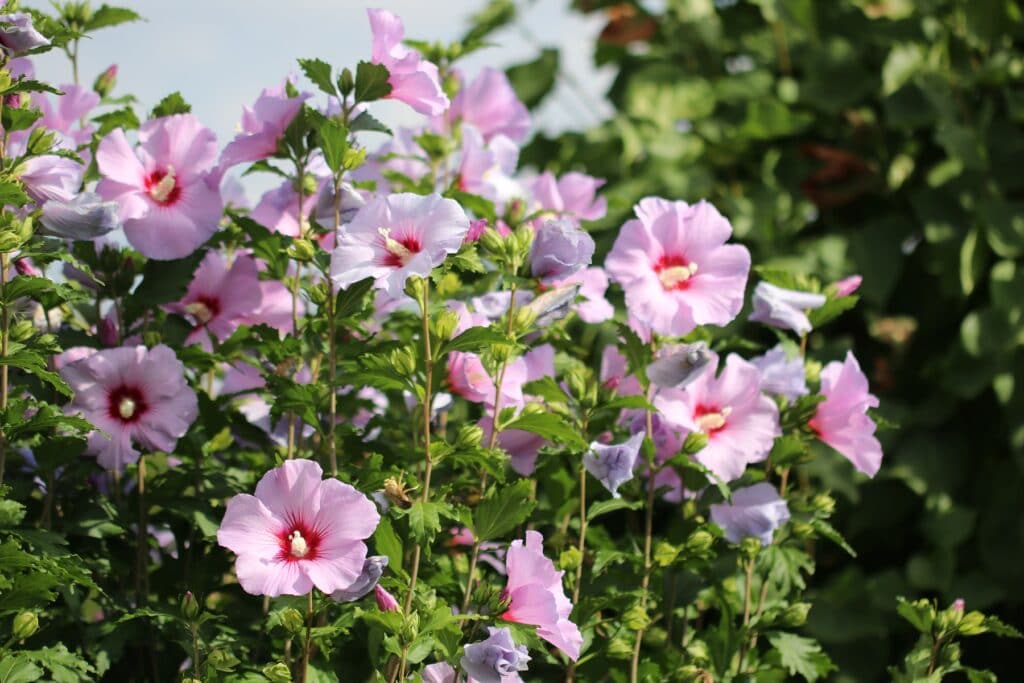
(221, 53)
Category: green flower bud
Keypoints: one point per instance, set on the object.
(151, 338)
(620, 648)
(291, 620)
(823, 504)
(576, 378)
(445, 324)
(813, 369)
(802, 529)
(22, 330)
(469, 436)
(320, 295)
(795, 614)
(492, 241)
(698, 651)
(106, 81)
(403, 361)
(570, 559)
(302, 249)
(750, 547)
(523, 319)
(222, 660)
(190, 607)
(353, 158)
(695, 442)
(278, 673)
(665, 553)
(699, 542)
(972, 624)
(346, 83)
(25, 624)
(635, 618)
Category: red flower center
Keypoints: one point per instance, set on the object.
(299, 541)
(162, 186)
(126, 404)
(398, 250)
(675, 271)
(203, 309)
(710, 419)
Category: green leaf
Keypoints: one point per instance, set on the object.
(35, 364)
(611, 505)
(550, 426)
(333, 137)
(366, 122)
(801, 656)
(388, 543)
(997, 627)
(532, 81)
(424, 520)
(162, 282)
(919, 613)
(832, 309)
(319, 72)
(546, 388)
(107, 16)
(826, 530)
(371, 82)
(29, 85)
(496, 14)
(351, 300)
(474, 340)
(503, 510)
(170, 105)
(17, 668)
(119, 118)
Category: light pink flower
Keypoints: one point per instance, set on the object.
(219, 298)
(487, 168)
(536, 595)
(63, 114)
(413, 79)
(841, 419)
(168, 203)
(275, 307)
(261, 127)
(848, 285)
(298, 532)
(385, 601)
(574, 194)
(491, 106)
(133, 395)
(51, 178)
(675, 267)
(395, 237)
(594, 308)
(468, 377)
(740, 422)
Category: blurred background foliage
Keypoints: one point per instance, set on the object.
(882, 137)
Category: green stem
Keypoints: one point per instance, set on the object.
(5, 325)
(142, 565)
(748, 580)
(645, 581)
(332, 343)
(304, 672)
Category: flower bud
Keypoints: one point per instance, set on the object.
(958, 605)
(823, 504)
(620, 648)
(445, 324)
(386, 602)
(635, 618)
(302, 250)
(23, 330)
(699, 542)
(802, 529)
(278, 673)
(25, 624)
(570, 559)
(106, 81)
(491, 240)
(222, 660)
(695, 442)
(24, 266)
(749, 547)
(190, 607)
(972, 624)
(106, 329)
(402, 361)
(346, 83)
(469, 436)
(291, 620)
(665, 554)
(698, 651)
(795, 615)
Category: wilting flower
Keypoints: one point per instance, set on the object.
(261, 127)
(51, 178)
(560, 248)
(131, 394)
(679, 365)
(784, 308)
(441, 672)
(612, 464)
(297, 532)
(675, 267)
(17, 34)
(168, 204)
(413, 79)
(593, 282)
(536, 597)
(490, 105)
(397, 236)
(553, 304)
(841, 420)
(495, 659)
(848, 285)
(780, 374)
(755, 512)
(740, 422)
(373, 569)
(574, 194)
(219, 298)
(85, 217)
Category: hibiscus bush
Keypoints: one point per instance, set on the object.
(404, 417)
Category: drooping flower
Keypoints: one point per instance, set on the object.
(261, 127)
(754, 512)
(396, 236)
(85, 217)
(536, 596)
(678, 365)
(18, 34)
(675, 267)
(132, 395)
(560, 249)
(612, 464)
(841, 419)
(373, 569)
(413, 79)
(219, 298)
(169, 205)
(574, 194)
(593, 282)
(51, 178)
(297, 532)
(490, 105)
(740, 422)
(780, 374)
(784, 308)
(495, 659)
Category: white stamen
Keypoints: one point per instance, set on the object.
(299, 547)
(162, 190)
(395, 247)
(126, 408)
(712, 421)
(200, 311)
(670, 277)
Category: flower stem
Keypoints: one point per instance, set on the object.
(195, 650)
(4, 334)
(142, 564)
(304, 671)
(645, 581)
(473, 559)
(332, 345)
(748, 580)
(570, 674)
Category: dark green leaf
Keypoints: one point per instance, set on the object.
(503, 510)
(170, 105)
(371, 82)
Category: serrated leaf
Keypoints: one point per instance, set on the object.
(550, 426)
(387, 542)
(319, 72)
(35, 364)
(801, 656)
(919, 613)
(474, 340)
(170, 105)
(546, 388)
(371, 82)
(366, 122)
(611, 505)
(107, 16)
(826, 530)
(503, 510)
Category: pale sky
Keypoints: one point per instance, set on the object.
(221, 53)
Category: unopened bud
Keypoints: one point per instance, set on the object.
(795, 614)
(570, 559)
(801, 530)
(695, 442)
(107, 331)
(190, 606)
(665, 554)
(106, 81)
(386, 602)
(402, 361)
(958, 605)
(698, 651)
(699, 542)
(346, 83)
(25, 624)
(291, 620)
(23, 330)
(353, 158)
(972, 624)
(635, 618)
(492, 241)
(278, 673)
(24, 266)
(445, 324)
(469, 436)
(620, 648)
(749, 547)
(302, 250)
(823, 504)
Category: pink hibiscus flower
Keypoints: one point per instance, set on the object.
(574, 194)
(395, 237)
(740, 422)
(167, 201)
(413, 79)
(262, 125)
(219, 298)
(675, 267)
(536, 596)
(491, 106)
(298, 532)
(132, 395)
(593, 283)
(841, 419)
